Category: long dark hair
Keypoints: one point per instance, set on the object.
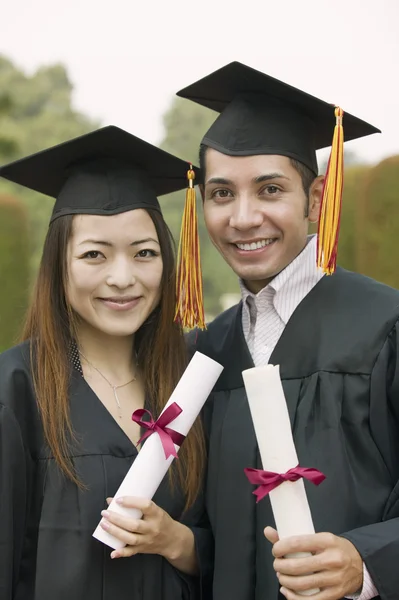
(51, 326)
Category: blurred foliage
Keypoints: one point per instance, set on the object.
(35, 113)
(14, 268)
(349, 235)
(8, 146)
(378, 222)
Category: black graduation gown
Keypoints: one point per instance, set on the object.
(339, 365)
(47, 551)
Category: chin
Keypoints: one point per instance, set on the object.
(256, 274)
(112, 329)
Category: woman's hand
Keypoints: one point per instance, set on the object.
(155, 533)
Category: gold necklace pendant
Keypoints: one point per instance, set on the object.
(114, 387)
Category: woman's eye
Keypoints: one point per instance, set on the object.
(92, 254)
(146, 253)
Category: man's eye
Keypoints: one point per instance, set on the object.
(272, 189)
(221, 194)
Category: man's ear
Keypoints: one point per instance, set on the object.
(315, 195)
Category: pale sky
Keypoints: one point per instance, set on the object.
(126, 59)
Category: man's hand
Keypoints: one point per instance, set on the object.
(335, 567)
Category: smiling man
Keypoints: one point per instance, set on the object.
(257, 213)
(334, 337)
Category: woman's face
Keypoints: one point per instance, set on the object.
(114, 268)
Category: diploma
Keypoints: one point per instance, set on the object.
(150, 466)
(272, 426)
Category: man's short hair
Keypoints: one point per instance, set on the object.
(307, 175)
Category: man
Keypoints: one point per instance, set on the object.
(334, 337)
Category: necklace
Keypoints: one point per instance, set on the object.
(114, 387)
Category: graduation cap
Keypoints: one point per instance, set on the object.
(262, 115)
(108, 172)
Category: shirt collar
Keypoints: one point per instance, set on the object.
(292, 284)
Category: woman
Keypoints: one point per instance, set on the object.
(100, 342)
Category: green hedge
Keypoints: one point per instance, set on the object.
(14, 269)
(354, 177)
(378, 223)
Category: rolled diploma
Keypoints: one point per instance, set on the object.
(277, 450)
(150, 466)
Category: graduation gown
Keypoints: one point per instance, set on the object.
(338, 358)
(47, 551)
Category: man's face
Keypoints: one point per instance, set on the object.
(255, 209)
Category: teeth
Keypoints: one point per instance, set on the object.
(255, 245)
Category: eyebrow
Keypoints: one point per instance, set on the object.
(259, 179)
(219, 180)
(268, 177)
(104, 243)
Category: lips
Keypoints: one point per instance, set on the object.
(120, 303)
(120, 300)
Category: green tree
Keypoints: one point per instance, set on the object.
(14, 268)
(8, 146)
(354, 177)
(185, 124)
(378, 223)
(36, 113)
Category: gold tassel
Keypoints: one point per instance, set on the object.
(330, 209)
(190, 305)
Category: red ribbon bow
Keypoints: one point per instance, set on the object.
(168, 436)
(267, 480)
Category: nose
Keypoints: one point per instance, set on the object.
(121, 273)
(246, 214)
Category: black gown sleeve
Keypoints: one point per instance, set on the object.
(13, 496)
(197, 520)
(204, 541)
(20, 436)
(204, 545)
(378, 544)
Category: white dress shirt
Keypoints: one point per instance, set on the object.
(265, 315)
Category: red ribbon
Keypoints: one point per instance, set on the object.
(267, 480)
(168, 436)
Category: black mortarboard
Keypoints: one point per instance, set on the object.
(110, 171)
(106, 172)
(262, 115)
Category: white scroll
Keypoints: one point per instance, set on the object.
(150, 466)
(272, 426)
